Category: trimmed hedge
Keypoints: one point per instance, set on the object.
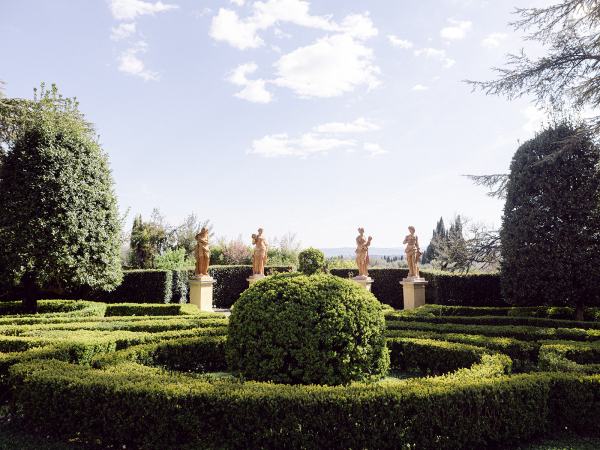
(141, 286)
(518, 332)
(141, 407)
(444, 288)
(231, 281)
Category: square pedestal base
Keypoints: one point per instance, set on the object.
(201, 293)
(414, 292)
(254, 278)
(365, 282)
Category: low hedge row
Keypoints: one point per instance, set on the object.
(142, 407)
(431, 357)
(545, 312)
(495, 320)
(141, 286)
(444, 288)
(519, 332)
(231, 281)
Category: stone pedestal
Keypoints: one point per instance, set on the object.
(364, 281)
(414, 292)
(254, 278)
(201, 292)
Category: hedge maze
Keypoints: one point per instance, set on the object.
(155, 376)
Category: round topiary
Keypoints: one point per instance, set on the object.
(300, 329)
(310, 261)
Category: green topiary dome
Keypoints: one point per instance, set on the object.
(300, 329)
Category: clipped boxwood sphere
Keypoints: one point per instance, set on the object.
(307, 329)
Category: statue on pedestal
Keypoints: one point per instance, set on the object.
(362, 253)
(202, 253)
(413, 253)
(259, 259)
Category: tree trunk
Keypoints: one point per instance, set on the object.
(579, 311)
(30, 294)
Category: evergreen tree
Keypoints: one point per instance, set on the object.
(59, 224)
(551, 225)
(438, 234)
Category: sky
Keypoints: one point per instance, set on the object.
(313, 118)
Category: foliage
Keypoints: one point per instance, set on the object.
(444, 288)
(141, 286)
(439, 233)
(148, 240)
(184, 235)
(284, 251)
(311, 261)
(568, 73)
(173, 260)
(551, 224)
(231, 281)
(59, 225)
(234, 252)
(339, 262)
(317, 329)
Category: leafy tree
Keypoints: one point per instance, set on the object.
(569, 73)
(184, 235)
(311, 261)
(551, 225)
(284, 251)
(59, 225)
(173, 260)
(231, 253)
(148, 240)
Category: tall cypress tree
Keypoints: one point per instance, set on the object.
(551, 224)
(439, 233)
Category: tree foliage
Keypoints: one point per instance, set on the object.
(439, 233)
(551, 225)
(311, 261)
(568, 75)
(59, 225)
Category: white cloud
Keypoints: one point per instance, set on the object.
(130, 9)
(130, 63)
(400, 43)
(359, 125)
(253, 90)
(359, 26)
(435, 53)
(419, 87)
(238, 2)
(493, 40)
(308, 144)
(374, 149)
(329, 67)
(242, 33)
(122, 31)
(226, 26)
(457, 30)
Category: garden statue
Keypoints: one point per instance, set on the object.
(413, 253)
(362, 253)
(259, 259)
(202, 253)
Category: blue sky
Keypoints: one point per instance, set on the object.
(309, 117)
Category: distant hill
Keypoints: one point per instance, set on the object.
(373, 251)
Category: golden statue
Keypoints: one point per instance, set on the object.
(362, 253)
(413, 253)
(202, 253)
(259, 259)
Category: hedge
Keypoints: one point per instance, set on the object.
(141, 286)
(443, 288)
(231, 281)
(141, 407)
(518, 332)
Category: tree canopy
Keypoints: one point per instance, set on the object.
(59, 225)
(550, 232)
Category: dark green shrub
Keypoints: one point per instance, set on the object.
(142, 286)
(444, 288)
(180, 286)
(549, 234)
(231, 281)
(316, 329)
(311, 261)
